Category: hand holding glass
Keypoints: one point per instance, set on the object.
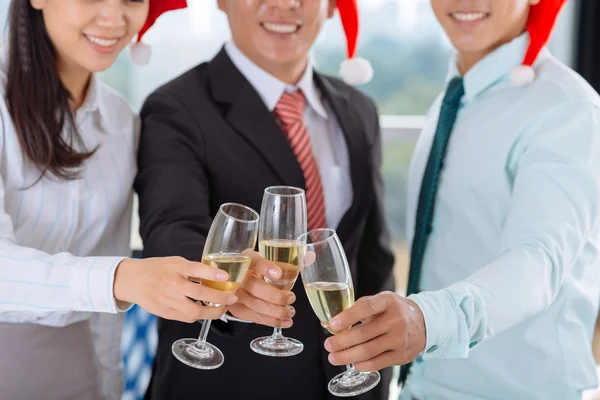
(283, 219)
(328, 284)
(228, 247)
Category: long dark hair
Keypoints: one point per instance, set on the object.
(37, 100)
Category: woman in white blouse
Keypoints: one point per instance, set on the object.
(67, 163)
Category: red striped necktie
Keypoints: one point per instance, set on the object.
(290, 112)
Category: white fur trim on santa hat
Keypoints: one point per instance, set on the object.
(356, 71)
(522, 75)
(140, 53)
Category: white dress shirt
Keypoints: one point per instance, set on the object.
(61, 241)
(327, 138)
(511, 273)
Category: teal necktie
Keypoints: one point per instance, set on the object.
(429, 184)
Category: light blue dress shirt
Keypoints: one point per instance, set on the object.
(511, 274)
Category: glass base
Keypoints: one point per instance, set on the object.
(353, 383)
(276, 347)
(205, 357)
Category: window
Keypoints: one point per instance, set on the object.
(406, 47)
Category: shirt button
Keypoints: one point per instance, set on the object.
(432, 349)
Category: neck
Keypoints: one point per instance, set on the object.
(287, 73)
(290, 74)
(467, 60)
(76, 81)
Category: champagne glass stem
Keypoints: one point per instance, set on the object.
(277, 335)
(198, 353)
(200, 343)
(351, 372)
(351, 378)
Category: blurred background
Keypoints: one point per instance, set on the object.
(410, 56)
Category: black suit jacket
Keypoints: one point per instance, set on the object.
(207, 139)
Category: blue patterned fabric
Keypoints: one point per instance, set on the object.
(138, 346)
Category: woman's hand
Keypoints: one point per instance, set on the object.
(164, 287)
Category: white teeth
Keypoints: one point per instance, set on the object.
(280, 28)
(102, 42)
(469, 17)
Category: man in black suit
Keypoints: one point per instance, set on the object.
(215, 135)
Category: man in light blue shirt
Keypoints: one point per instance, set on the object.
(509, 283)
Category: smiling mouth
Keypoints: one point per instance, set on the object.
(102, 42)
(280, 27)
(469, 16)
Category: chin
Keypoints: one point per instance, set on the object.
(287, 61)
(282, 53)
(285, 58)
(469, 45)
(100, 65)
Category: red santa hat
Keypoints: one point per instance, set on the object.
(354, 70)
(541, 21)
(140, 52)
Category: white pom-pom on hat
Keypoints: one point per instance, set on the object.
(140, 51)
(356, 71)
(353, 70)
(522, 75)
(540, 23)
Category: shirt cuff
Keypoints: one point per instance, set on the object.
(228, 317)
(121, 306)
(92, 285)
(444, 337)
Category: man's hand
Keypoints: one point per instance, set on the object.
(391, 332)
(261, 302)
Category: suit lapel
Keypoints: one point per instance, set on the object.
(248, 115)
(355, 136)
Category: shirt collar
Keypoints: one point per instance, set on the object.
(269, 87)
(94, 104)
(494, 68)
(92, 97)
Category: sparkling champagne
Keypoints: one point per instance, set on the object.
(284, 253)
(236, 265)
(328, 299)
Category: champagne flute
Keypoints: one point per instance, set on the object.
(230, 241)
(283, 219)
(328, 284)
